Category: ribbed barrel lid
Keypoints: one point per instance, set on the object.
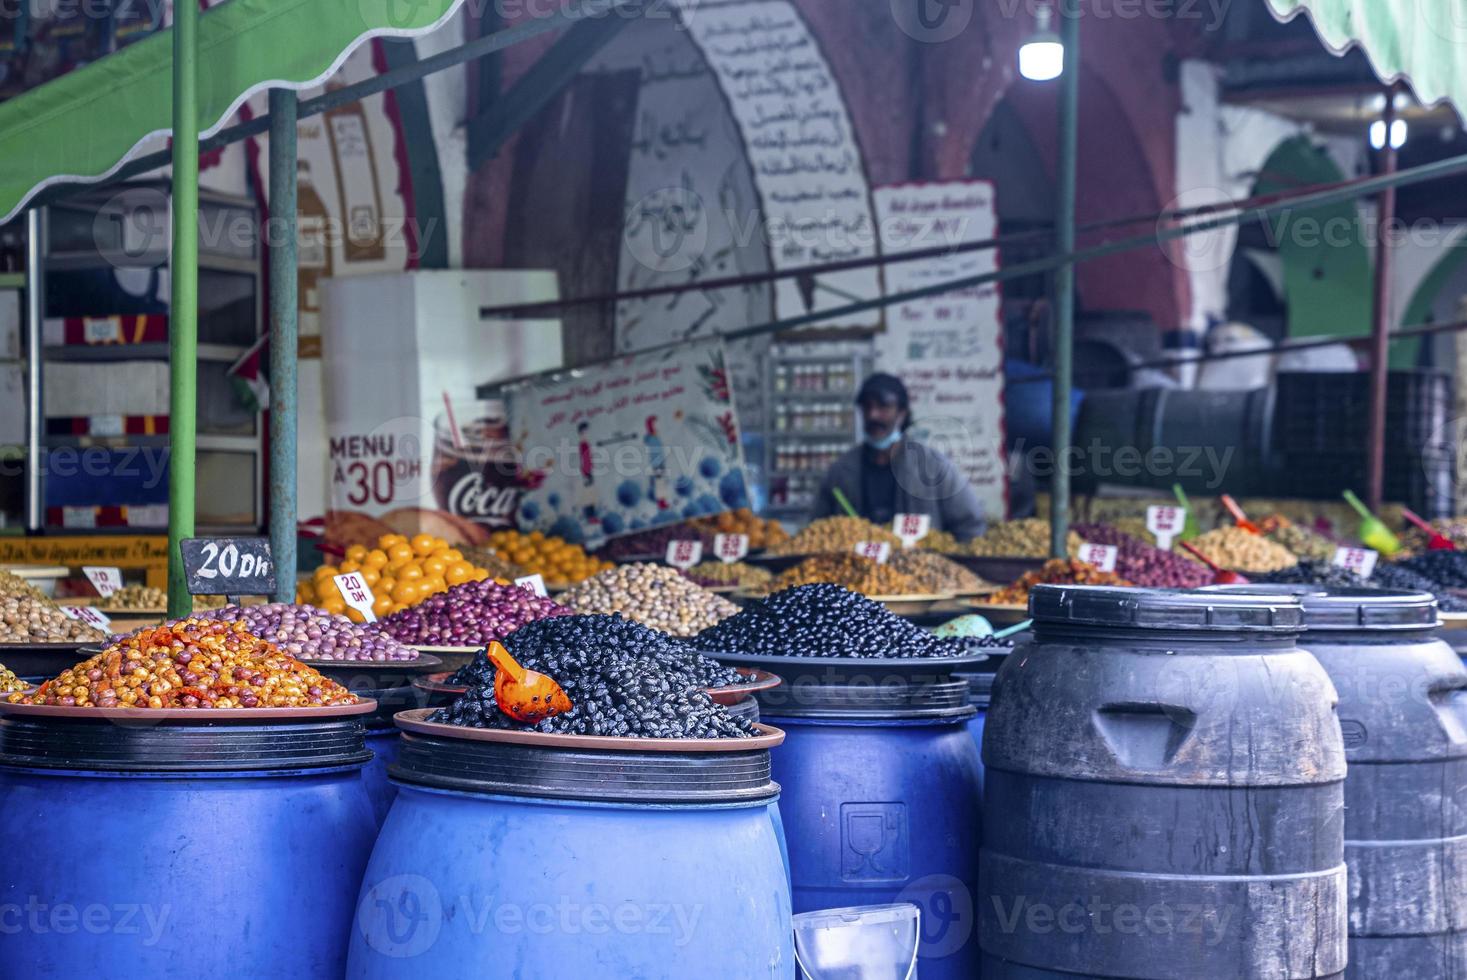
(1164, 609)
(897, 699)
(1332, 608)
(585, 767)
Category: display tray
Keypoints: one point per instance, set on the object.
(846, 665)
(1000, 614)
(365, 707)
(757, 680)
(661, 557)
(727, 590)
(436, 651)
(43, 659)
(1454, 620)
(900, 605)
(423, 664)
(778, 563)
(999, 568)
(413, 720)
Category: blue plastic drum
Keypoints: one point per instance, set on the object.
(561, 859)
(881, 803)
(179, 850)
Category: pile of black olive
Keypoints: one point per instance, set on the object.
(1406, 576)
(825, 621)
(1447, 567)
(622, 678)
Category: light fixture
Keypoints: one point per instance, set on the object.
(1042, 57)
(1378, 134)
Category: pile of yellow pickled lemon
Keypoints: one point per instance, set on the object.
(556, 560)
(401, 571)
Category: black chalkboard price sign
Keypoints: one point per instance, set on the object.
(228, 566)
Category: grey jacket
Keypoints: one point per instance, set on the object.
(927, 483)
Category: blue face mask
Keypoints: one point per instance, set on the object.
(886, 441)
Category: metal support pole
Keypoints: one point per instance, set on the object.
(1064, 279)
(35, 319)
(1381, 313)
(183, 313)
(283, 340)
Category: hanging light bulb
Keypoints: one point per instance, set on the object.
(1399, 132)
(1042, 56)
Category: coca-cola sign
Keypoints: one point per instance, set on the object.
(470, 497)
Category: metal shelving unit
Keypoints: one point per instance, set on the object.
(810, 418)
(105, 256)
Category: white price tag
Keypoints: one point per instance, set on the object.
(684, 553)
(911, 528)
(104, 578)
(533, 583)
(104, 425)
(147, 515)
(1361, 561)
(877, 551)
(88, 615)
(729, 548)
(78, 517)
(102, 329)
(1102, 556)
(1166, 523)
(357, 593)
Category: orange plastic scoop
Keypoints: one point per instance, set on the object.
(1220, 576)
(1239, 517)
(525, 695)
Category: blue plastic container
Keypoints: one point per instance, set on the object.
(507, 862)
(381, 732)
(175, 852)
(381, 790)
(883, 806)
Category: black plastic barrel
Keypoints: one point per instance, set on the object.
(1163, 793)
(1403, 714)
(1155, 437)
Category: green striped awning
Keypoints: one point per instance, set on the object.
(86, 124)
(1423, 42)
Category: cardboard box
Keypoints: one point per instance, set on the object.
(12, 403)
(10, 324)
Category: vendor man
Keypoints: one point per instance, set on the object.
(889, 474)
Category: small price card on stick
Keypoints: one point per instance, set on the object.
(357, 593)
(228, 566)
(1166, 522)
(877, 551)
(684, 553)
(104, 578)
(729, 548)
(88, 615)
(1361, 561)
(1102, 556)
(911, 528)
(534, 584)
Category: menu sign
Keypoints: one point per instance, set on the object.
(948, 348)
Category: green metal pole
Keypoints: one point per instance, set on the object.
(283, 340)
(183, 314)
(1064, 277)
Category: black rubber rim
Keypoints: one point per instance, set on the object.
(892, 701)
(106, 746)
(566, 774)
